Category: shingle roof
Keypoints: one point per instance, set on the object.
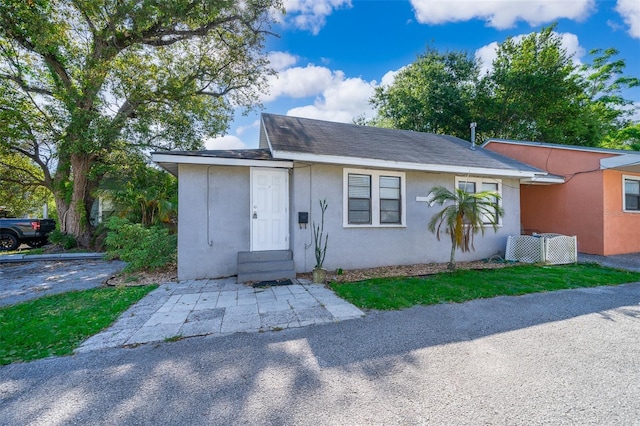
(239, 154)
(169, 160)
(324, 138)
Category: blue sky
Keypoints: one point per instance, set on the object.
(331, 54)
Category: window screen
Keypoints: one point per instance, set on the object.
(631, 194)
(493, 218)
(359, 198)
(389, 199)
(469, 187)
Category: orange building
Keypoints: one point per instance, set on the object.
(592, 193)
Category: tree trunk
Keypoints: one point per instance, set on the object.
(452, 260)
(74, 210)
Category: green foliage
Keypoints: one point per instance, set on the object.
(625, 138)
(142, 193)
(465, 216)
(21, 186)
(320, 246)
(534, 91)
(64, 240)
(141, 247)
(79, 80)
(464, 285)
(434, 94)
(56, 325)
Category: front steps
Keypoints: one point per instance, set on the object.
(265, 265)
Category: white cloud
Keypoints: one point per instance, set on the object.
(390, 77)
(224, 142)
(243, 129)
(310, 15)
(299, 82)
(487, 54)
(630, 12)
(281, 60)
(569, 41)
(334, 96)
(342, 101)
(502, 14)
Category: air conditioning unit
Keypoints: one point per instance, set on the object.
(548, 248)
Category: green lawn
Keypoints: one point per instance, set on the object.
(57, 324)
(460, 286)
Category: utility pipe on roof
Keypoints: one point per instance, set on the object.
(473, 136)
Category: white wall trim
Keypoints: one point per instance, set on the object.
(398, 165)
(219, 161)
(375, 198)
(624, 198)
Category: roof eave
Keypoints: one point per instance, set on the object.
(399, 165)
(169, 162)
(625, 163)
(543, 180)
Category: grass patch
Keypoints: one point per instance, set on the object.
(461, 286)
(55, 325)
(42, 250)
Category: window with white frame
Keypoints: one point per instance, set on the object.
(631, 190)
(474, 185)
(374, 198)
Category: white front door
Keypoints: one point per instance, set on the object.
(269, 209)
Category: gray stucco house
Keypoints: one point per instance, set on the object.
(242, 212)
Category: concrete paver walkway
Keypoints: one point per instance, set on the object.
(202, 307)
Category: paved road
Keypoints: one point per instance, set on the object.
(568, 357)
(24, 281)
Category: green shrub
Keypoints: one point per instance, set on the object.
(66, 241)
(141, 247)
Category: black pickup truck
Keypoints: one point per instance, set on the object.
(32, 232)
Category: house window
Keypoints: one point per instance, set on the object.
(631, 194)
(390, 199)
(373, 198)
(473, 185)
(359, 199)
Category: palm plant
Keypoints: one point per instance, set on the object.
(466, 214)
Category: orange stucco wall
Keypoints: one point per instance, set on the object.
(588, 205)
(622, 229)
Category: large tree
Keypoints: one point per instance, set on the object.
(436, 93)
(534, 91)
(78, 77)
(539, 93)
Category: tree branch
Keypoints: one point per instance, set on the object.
(25, 172)
(84, 14)
(24, 86)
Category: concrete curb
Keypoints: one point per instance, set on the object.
(18, 258)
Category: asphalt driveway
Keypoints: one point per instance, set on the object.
(567, 357)
(20, 282)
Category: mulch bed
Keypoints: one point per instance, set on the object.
(404, 270)
(170, 274)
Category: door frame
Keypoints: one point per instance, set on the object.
(287, 224)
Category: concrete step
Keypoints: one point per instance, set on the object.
(278, 265)
(263, 256)
(265, 265)
(265, 276)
